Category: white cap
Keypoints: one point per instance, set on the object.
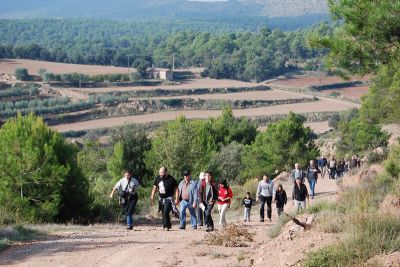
(201, 176)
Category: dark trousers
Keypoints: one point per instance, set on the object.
(165, 214)
(269, 209)
(207, 215)
(332, 173)
(200, 215)
(279, 208)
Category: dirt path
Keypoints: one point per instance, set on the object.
(149, 245)
(318, 106)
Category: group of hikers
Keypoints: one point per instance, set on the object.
(200, 196)
(337, 168)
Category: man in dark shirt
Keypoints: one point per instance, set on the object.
(166, 186)
(300, 194)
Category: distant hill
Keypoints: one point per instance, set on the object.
(153, 9)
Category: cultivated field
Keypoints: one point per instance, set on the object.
(320, 106)
(355, 92)
(313, 79)
(8, 66)
(256, 95)
(188, 84)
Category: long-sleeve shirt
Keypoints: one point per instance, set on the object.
(299, 193)
(122, 185)
(224, 193)
(266, 189)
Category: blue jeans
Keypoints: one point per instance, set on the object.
(129, 220)
(193, 220)
(312, 183)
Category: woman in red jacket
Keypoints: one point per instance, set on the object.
(224, 200)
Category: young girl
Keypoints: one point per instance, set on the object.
(280, 199)
(224, 200)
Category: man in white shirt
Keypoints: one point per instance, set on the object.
(265, 193)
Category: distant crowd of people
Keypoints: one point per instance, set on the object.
(201, 195)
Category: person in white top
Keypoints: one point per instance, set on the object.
(265, 193)
(127, 191)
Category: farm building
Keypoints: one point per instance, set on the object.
(159, 73)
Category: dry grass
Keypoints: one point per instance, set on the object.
(231, 236)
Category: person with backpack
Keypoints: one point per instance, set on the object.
(224, 200)
(247, 204)
(312, 176)
(265, 193)
(127, 190)
(208, 196)
(297, 172)
(167, 188)
(280, 199)
(188, 197)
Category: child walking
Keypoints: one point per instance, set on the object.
(247, 203)
(280, 199)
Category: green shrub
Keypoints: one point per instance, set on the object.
(21, 74)
(372, 235)
(320, 206)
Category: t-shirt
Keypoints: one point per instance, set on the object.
(248, 202)
(166, 187)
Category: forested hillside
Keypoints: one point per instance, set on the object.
(155, 9)
(242, 55)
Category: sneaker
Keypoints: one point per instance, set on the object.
(182, 227)
(209, 229)
(194, 228)
(129, 227)
(261, 220)
(269, 219)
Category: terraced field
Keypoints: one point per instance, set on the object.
(81, 109)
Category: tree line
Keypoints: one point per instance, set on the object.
(78, 179)
(238, 55)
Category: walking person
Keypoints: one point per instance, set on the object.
(265, 193)
(127, 191)
(332, 168)
(299, 195)
(208, 196)
(298, 173)
(200, 213)
(167, 187)
(322, 165)
(280, 199)
(188, 196)
(312, 176)
(224, 200)
(247, 204)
